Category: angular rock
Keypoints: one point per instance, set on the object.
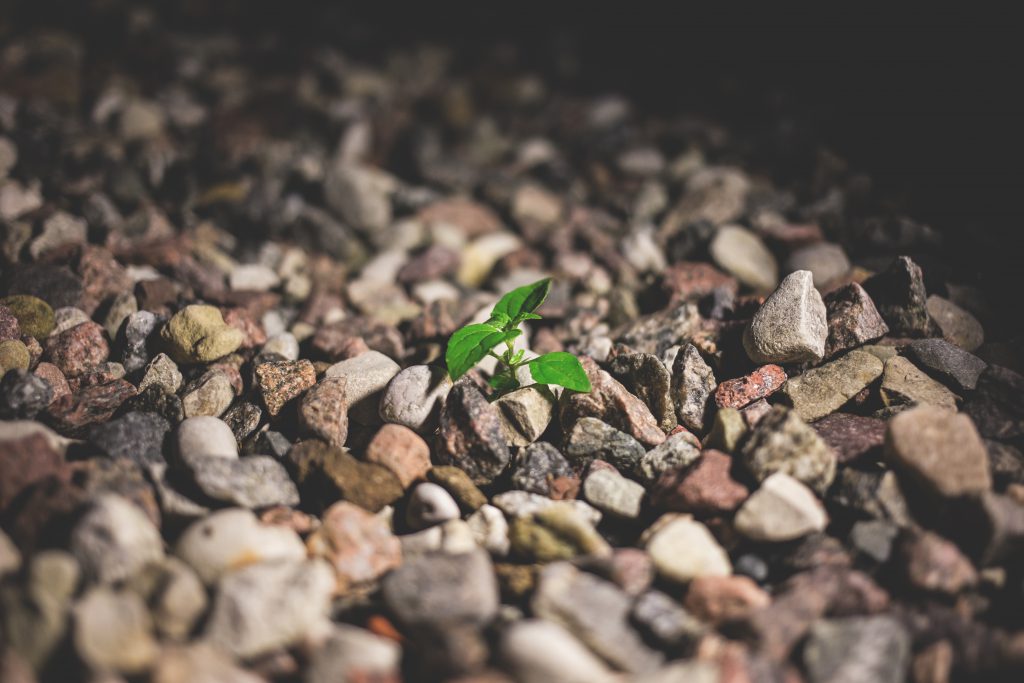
(957, 325)
(325, 473)
(790, 327)
(592, 439)
(280, 382)
(679, 451)
(693, 383)
(782, 442)
(947, 363)
(851, 436)
(536, 466)
(198, 334)
(358, 544)
(645, 376)
(899, 295)
(471, 436)
(782, 509)
(739, 392)
(138, 437)
(612, 493)
(414, 397)
(402, 451)
(255, 481)
(706, 488)
(727, 431)
(526, 414)
(163, 372)
(852, 318)
(79, 349)
(903, 384)
(857, 649)
(719, 599)
(683, 549)
(825, 389)
(323, 411)
(932, 563)
(442, 589)
(367, 376)
(208, 396)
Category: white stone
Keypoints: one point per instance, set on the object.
(253, 277)
(490, 529)
(683, 549)
(350, 653)
(114, 540)
(782, 509)
(791, 326)
(429, 505)
(539, 651)
(113, 631)
(203, 436)
(743, 255)
(367, 376)
(284, 344)
(414, 397)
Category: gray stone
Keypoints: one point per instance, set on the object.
(429, 505)
(857, 649)
(354, 654)
(693, 384)
(263, 607)
(825, 389)
(790, 326)
(947, 362)
(175, 595)
(114, 539)
(414, 397)
(23, 395)
(536, 465)
(667, 622)
(899, 294)
(360, 195)
(743, 255)
(367, 376)
(526, 414)
(470, 436)
(593, 439)
(442, 588)
(646, 377)
(517, 504)
(903, 384)
(782, 442)
(825, 260)
(612, 493)
(874, 538)
(595, 611)
(957, 325)
(114, 632)
(782, 509)
(206, 436)
(134, 436)
(853, 319)
(123, 305)
(255, 481)
(678, 452)
(683, 549)
(540, 651)
(209, 395)
(35, 620)
(163, 372)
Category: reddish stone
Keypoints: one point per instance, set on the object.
(718, 599)
(243, 321)
(9, 326)
(851, 436)
(52, 374)
(157, 295)
(545, 341)
(358, 544)
(470, 217)
(102, 277)
(323, 411)
(402, 451)
(281, 381)
(762, 382)
(437, 321)
(707, 488)
(687, 281)
(335, 341)
(78, 350)
(435, 262)
(564, 488)
(934, 564)
(71, 414)
(25, 461)
(296, 520)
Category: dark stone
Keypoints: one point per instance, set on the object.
(56, 285)
(132, 339)
(997, 407)
(23, 462)
(853, 319)
(646, 377)
(243, 418)
(156, 399)
(23, 395)
(326, 474)
(947, 363)
(899, 295)
(72, 414)
(591, 439)
(437, 588)
(536, 465)
(1006, 464)
(135, 436)
(470, 436)
(852, 437)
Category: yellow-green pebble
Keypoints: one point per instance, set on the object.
(198, 334)
(34, 315)
(13, 355)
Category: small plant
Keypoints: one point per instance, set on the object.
(471, 344)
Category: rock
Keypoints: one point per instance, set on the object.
(997, 407)
(947, 363)
(437, 589)
(899, 294)
(826, 262)
(14, 356)
(429, 505)
(790, 327)
(233, 538)
(256, 481)
(610, 492)
(683, 549)
(243, 418)
(35, 316)
(453, 537)
(611, 403)
(721, 599)
(133, 338)
(123, 305)
(198, 334)
(367, 376)
(35, 619)
(679, 451)
(825, 389)
(645, 376)
(113, 631)
(354, 654)
(280, 382)
(270, 605)
(957, 325)
(360, 195)
(10, 557)
(114, 539)
(539, 651)
(471, 436)
(990, 527)
(199, 663)
(206, 436)
(595, 611)
(414, 397)
(359, 545)
(743, 255)
(536, 466)
(852, 318)
(706, 488)
(592, 439)
(665, 622)
(325, 473)
(904, 385)
(525, 414)
(253, 277)
(323, 411)
(782, 442)
(517, 504)
(458, 483)
(208, 396)
(852, 437)
(782, 509)
(176, 596)
(932, 563)
(400, 450)
(284, 345)
(162, 372)
(693, 383)
(739, 392)
(657, 332)
(23, 395)
(490, 530)
(938, 450)
(134, 436)
(857, 649)
(873, 538)
(727, 430)
(558, 531)
(79, 349)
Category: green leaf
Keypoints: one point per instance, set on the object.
(523, 300)
(469, 346)
(561, 368)
(500, 320)
(527, 316)
(503, 382)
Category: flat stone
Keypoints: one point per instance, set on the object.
(471, 435)
(743, 255)
(705, 488)
(782, 509)
(693, 383)
(947, 363)
(782, 442)
(281, 381)
(851, 436)
(198, 334)
(739, 392)
(414, 397)
(939, 450)
(904, 384)
(359, 545)
(826, 262)
(114, 539)
(113, 631)
(134, 436)
(825, 389)
(326, 473)
(539, 651)
(612, 493)
(526, 414)
(206, 436)
(255, 481)
(402, 451)
(683, 549)
(270, 605)
(597, 612)
(323, 411)
(592, 439)
(855, 649)
(536, 466)
(899, 295)
(645, 376)
(679, 451)
(367, 375)
(790, 327)
(443, 589)
(957, 325)
(852, 318)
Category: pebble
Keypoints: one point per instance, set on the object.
(325, 473)
(253, 277)
(358, 544)
(323, 411)
(208, 396)
(198, 334)
(540, 651)
(693, 383)
(903, 384)
(826, 388)
(612, 493)
(453, 537)
(135, 436)
(113, 631)
(938, 450)
(947, 362)
(826, 261)
(263, 607)
(743, 255)
(525, 414)
(931, 563)
(36, 622)
(559, 531)
(852, 437)
(490, 530)
(536, 466)
(790, 327)
(414, 397)
(71, 415)
(114, 539)
(360, 195)
(727, 430)
(176, 596)
(853, 649)
(280, 382)
(429, 505)
(162, 372)
(284, 344)
(739, 392)
(664, 621)
(723, 599)
(782, 442)
(200, 662)
(517, 504)
(781, 509)
(456, 482)
(646, 377)
(14, 356)
(255, 481)
(79, 349)
(436, 589)
(852, 318)
(367, 375)
(679, 451)
(683, 549)
(35, 316)
(705, 488)
(124, 305)
(229, 539)
(957, 325)
(402, 451)
(206, 436)
(595, 611)
(470, 436)
(243, 418)
(354, 654)
(898, 293)
(23, 395)
(133, 338)
(592, 439)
